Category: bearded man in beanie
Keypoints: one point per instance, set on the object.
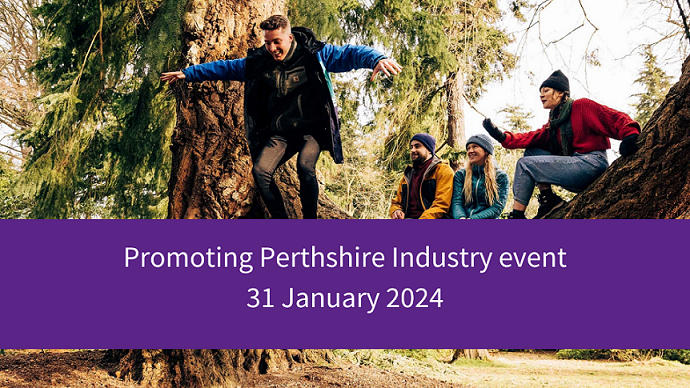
(426, 187)
(569, 151)
(289, 103)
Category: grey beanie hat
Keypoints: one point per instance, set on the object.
(426, 139)
(483, 141)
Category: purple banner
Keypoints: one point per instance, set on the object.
(549, 284)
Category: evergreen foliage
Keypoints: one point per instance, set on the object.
(517, 120)
(656, 84)
(322, 16)
(431, 40)
(12, 205)
(360, 187)
(102, 147)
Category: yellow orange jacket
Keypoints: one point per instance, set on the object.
(436, 190)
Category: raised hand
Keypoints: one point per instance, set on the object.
(493, 130)
(388, 66)
(172, 76)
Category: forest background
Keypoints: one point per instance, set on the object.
(86, 126)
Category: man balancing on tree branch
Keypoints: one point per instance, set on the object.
(569, 151)
(289, 102)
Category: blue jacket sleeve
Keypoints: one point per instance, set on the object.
(225, 70)
(457, 208)
(339, 59)
(495, 210)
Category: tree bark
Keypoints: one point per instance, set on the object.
(203, 368)
(470, 354)
(456, 114)
(211, 166)
(655, 181)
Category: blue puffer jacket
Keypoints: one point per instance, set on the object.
(334, 59)
(324, 58)
(479, 207)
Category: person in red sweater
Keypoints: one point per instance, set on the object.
(569, 151)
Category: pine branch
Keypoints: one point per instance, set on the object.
(100, 33)
(141, 14)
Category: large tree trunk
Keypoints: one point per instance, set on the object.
(211, 167)
(206, 368)
(654, 182)
(470, 354)
(456, 114)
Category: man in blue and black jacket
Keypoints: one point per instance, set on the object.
(289, 102)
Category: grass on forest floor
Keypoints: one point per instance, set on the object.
(522, 370)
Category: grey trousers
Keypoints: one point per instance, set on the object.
(573, 173)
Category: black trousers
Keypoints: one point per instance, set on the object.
(278, 150)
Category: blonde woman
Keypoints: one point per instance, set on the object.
(481, 189)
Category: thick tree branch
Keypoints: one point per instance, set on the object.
(685, 22)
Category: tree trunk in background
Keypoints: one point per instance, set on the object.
(456, 115)
(211, 167)
(470, 354)
(202, 368)
(654, 182)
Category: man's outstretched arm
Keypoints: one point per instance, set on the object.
(225, 70)
(338, 59)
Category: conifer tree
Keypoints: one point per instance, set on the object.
(656, 84)
(102, 147)
(517, 118)
(11, 204)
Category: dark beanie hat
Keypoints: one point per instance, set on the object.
(482, 141)
(557, 81)
(426, 139)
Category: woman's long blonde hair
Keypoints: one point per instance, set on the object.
(491, 185)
